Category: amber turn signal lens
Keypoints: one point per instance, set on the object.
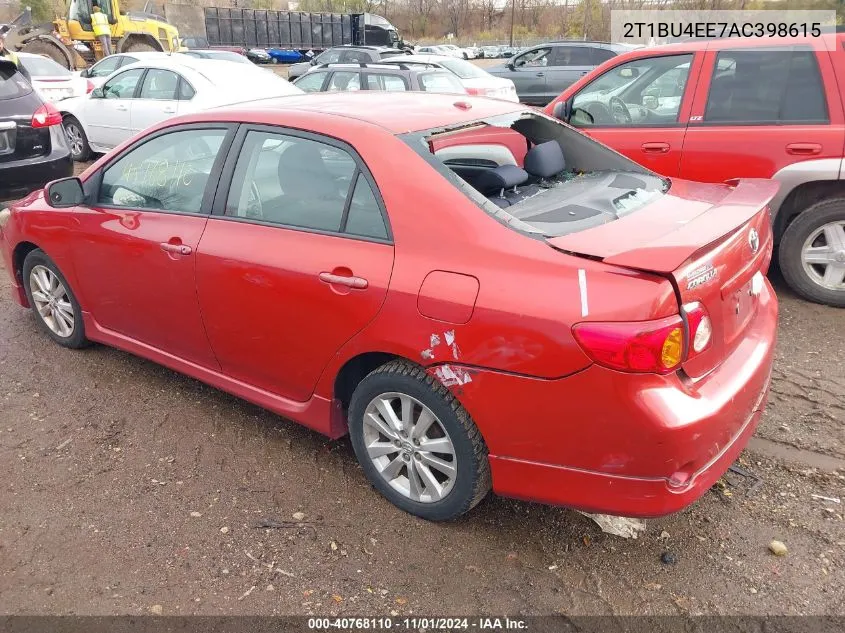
(673, 348)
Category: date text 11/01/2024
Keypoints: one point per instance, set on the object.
(417, 623)
(710, 30)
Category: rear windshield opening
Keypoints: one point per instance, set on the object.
(537, 175)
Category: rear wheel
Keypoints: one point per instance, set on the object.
(137, 46)
(41, 47)
(416, 443)
(76, 138)
(812, 253)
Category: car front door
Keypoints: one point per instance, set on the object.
(295, 260)
(640, 108)
(528, 73)
(107, 118)
(566, 66)
(157, 101)
(764, 110)
(139, 238)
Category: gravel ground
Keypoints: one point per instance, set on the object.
(129, 489)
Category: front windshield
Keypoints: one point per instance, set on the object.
(537, 175)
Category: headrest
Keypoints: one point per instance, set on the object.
(545, 160)
(502, 177)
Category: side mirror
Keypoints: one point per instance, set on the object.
(66, 192)
(98, 93)
(510, 64)
(563, 110)
(83, 72)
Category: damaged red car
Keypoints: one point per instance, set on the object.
(478, 294)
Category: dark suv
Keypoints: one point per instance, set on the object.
(388, 77)
(542, 72)
(346, 55)
(33, 146)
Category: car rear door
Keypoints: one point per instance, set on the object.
(761, 111)
(528, 73)
(107, 119)
(657, 94)
(566, 66)
(157, 100)
(295, 260)
(136, 270)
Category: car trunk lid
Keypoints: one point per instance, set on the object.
(711, 241)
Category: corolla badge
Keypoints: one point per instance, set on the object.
(753, 240)
(701, 276)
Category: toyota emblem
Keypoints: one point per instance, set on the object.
(753, 240)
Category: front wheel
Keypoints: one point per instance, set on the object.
(812, 253)
(416, 444)
(53, 302)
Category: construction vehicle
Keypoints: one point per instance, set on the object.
(70, 40)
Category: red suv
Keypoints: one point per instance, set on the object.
(723, 109)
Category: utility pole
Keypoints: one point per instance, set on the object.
(513, 12)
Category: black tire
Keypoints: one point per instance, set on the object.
(76, 339)
(71, 125)
(472, 481)
(792, 244)
(41, 47)
(138, 46)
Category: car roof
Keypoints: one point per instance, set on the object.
(396, 112)
(365, 47)
(420, 59)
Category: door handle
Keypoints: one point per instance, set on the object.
(541, 74)
(655, 148)
(804, 149)
(122, 108)
(170, 110)
(176, 249)
(341, 280)
(584, 72)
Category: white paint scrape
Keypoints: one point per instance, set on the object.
(452, 376)
(582, 286)
(625, 527)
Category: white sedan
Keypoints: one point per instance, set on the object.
(474, 79)
(52, 81)
(99, 72)
(140, 95)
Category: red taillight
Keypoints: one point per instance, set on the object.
(475, 91)
(700, 328)
(46, 115)
(638, 346)
(89, 86)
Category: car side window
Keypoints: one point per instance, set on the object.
(186, 90)
(123, 86)
(160, 85)
(570, 56)
(364, 217)
(644, 91)
(329, 57)
(441, 82)
(167, 173)
(311, 82)
(766, 86)
(600, 55)
(344, 81)
(106, 67)
(296, 182)
(386, 81)
(355, 57)
(536, 57)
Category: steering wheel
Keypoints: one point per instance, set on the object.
(619, 111)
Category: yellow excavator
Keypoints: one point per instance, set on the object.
(70, 40)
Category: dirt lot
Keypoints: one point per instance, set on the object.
(129, 489)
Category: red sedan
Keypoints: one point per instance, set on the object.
(478, 294)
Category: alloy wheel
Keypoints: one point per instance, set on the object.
(51, 300)
(74, 138)
(823, 255)
(409, 447)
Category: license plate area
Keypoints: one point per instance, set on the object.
(741, 306)
(7, 138)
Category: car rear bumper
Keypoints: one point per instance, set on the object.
(18, 178)
(627, 444)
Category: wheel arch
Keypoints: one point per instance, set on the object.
(355, 369)
(803, 185)
(21, 250)
(138, 36)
